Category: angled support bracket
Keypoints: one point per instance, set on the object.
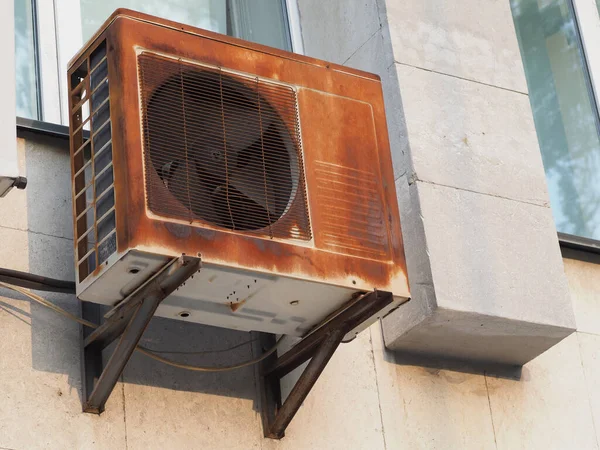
(126, 321)
(318, 347)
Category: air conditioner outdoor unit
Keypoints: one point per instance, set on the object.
(273, 167)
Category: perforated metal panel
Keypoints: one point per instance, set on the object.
(222, 148)
(92, 159)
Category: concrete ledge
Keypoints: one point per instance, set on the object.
(462, 336)
(487, 278)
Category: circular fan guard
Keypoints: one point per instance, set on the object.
(222, 149)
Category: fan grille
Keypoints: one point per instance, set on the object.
(222, 148)
(92, 158)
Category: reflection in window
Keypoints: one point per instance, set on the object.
(26, 79)
(565, 114)
(261, 21)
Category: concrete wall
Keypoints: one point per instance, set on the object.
(367, 398)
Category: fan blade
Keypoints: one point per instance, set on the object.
(252, 185)
(174, 177)
(188, 193)
(243, 126)
(245, 213)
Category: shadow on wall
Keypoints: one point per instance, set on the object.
(55, 339)
(435, 364)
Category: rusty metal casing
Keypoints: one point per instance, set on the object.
(149, 99)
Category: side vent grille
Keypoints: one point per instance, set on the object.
(92, 163)
(222, 148)
(352, 193)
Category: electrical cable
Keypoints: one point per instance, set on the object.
(146, 351)
(203, 352)
(48, 304)
(170, 362)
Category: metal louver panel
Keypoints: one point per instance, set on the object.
(92, 159)
(222, 148)
(353, 193)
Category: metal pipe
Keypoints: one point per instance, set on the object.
(36, 282)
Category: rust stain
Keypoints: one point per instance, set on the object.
(236, 305)
(344, 170)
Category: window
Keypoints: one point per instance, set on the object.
(49, 33)
(564, 110)
(261, 21)
(26, 61)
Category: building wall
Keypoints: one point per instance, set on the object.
(367, 398)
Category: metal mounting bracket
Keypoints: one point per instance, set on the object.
(318, 347)
(127, 320)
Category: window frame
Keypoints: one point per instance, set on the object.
(52, 20)
(48, 63)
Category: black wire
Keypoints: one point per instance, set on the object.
(36, 282)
